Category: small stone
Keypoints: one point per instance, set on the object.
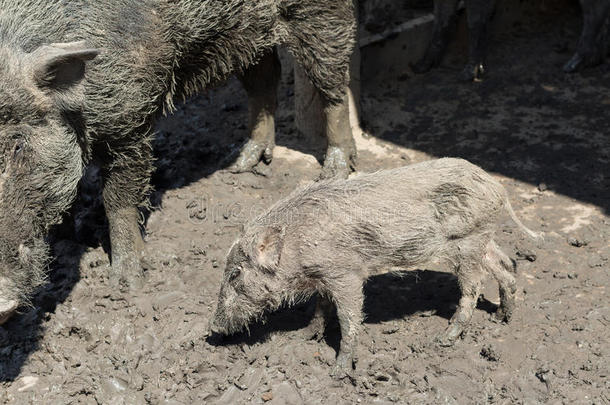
(267, 396)
(577, 242)
(542, 187)
(489, 353)
(526, 254)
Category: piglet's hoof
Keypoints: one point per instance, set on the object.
(343, 373)
(337, 164)
(7, 309)
(252, 153)
(503, 314)
(450, 336)
(314, 331)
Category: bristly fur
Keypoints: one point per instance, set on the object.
(151, 53)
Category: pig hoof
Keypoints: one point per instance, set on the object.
(7, 309)
(337, 164)
(473, 72)
(313, 332)
(252, 153)
(342, 373)
(127, 279)
(503, 314)
(573, 64)
(581, 60)
(450, 336)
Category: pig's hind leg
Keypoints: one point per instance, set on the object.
(470, 273)
(324, 38)
(444, 22)
(261, 83)
(500, 265)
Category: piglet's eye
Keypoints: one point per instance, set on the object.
(18, 149)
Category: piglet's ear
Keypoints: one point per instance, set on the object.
(269, 247)
(61, 66)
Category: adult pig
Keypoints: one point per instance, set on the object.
(329, 237)
(84, 80)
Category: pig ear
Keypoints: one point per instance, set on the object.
(269, 247)
(61, 66)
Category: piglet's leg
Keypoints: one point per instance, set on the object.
(261, 83)
(349, 300)
(500, 265)
(470, 275)
(322, 314)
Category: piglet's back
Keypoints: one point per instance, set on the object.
(440, 187)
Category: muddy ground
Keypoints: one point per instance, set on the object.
(542, 133)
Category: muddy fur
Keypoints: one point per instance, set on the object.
(329, 237)
(83, 81)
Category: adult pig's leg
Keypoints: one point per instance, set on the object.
(261, 82)
(126, 188)
(324, 36)
(341, 151)
(444, 24)
(478, 15)
(592, 44)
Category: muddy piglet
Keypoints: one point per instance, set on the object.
(330, 236)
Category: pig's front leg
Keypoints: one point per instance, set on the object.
(592, 44)
(348, 299)
(126, 183)
(261, 82)
(322, 314)
(444, 18)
